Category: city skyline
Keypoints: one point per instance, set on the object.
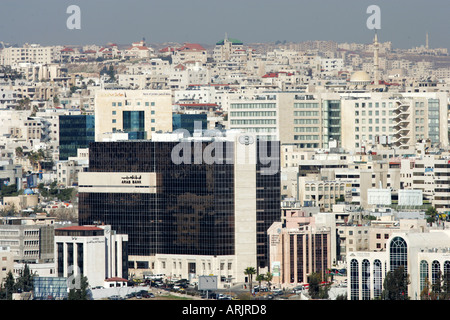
(404, 23)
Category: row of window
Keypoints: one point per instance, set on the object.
(253, 114)
(375, 104)
(253, 105)
(306, 137)
(254, 121)
(306, 105)
(127, 103)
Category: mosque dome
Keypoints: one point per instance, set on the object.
(360, 77)
(28, 191)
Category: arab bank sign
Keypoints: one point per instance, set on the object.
(117, 182)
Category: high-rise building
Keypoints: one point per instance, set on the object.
(75, 132)
(204, 212)
(353, 121)
(136, 112)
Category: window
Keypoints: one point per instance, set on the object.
(424, 276)
(365, 280)
(398, 256)
(354, 283)
(377, 278)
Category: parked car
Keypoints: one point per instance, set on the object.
(277, 292)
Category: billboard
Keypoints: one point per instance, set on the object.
(276, 268)
(410, 198)
(379, 197)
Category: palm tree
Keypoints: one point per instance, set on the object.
(250, 271)
(19, 152)
(268, 278)
(260, 278)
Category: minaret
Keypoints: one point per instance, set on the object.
(426, 41)
(375, 60)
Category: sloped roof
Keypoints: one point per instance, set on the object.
(191, 46)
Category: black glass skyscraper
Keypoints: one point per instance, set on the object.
(191, 212)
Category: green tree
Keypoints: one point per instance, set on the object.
(9, 287)
(431, 214)
(440, 288)
(80, 293)
(25, 281)
(268, 278)
(250, 271)
(260, 278)
(8, 190)
(316, 290)
(19, 152)
(396, 285)
(66, 194)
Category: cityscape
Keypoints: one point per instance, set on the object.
(231, 170)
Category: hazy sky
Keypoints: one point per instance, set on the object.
(404, 22)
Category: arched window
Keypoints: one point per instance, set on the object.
(424, 276)
(436, 276)
(354, 280)
(377, 278)
(365, 280)
(446, 277)
(398, 254)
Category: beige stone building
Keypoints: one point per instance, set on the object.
(27, 53)
(356, 121)
(137, 112)
(6, 262)
(302, 245)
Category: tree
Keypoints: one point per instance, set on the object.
(36, 157)
(314, 280)
(396, 285)
(19, 152)
(25, 281)
(439, 289)
(260, 278)
(9, 287)
(425, 293)
(80, 293)
(250, 271)
(431, 214)
(268, 278)
(316, 289)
